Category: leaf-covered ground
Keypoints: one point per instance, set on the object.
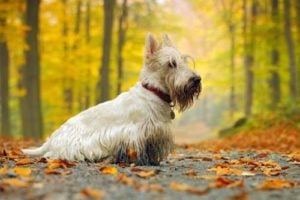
(256, 165)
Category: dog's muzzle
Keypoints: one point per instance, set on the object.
(195, 84)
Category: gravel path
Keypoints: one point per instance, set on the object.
(87, 175)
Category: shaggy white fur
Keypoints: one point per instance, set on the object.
(138, 119)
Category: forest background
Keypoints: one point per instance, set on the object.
(59, 57)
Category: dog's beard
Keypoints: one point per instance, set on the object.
(183, 97)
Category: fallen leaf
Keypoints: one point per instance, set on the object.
(261, 155)
(127, 181)
(109, 170)
(271, 164)
(295, 156)
(22, 171)
(89, 192)
(190, 173)
(219, 157)
(135, 169)
(54, 164)
(241, 196)
(224, 182)
(156, 188)
(3, 170)
(186, 188)
(269, 171)
(139, 186)
(207, 159)
(14, 182)
(225, 171)
(52, 171)
(273, 184)
(24, 161)
(145, 174)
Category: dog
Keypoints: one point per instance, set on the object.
(135, 126)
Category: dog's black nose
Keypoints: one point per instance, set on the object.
(196, 80)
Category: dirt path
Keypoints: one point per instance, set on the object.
(184, 175)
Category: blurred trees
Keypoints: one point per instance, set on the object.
(32, 120)
(104, 83)
(122, 27)
(4, 73)
(59, 57)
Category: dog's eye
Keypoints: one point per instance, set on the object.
(172, 64)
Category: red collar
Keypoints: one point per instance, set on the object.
(163, 96)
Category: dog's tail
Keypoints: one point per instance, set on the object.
(36, 152)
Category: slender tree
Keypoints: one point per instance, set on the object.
(4, 79)
(249, 44)
(290, 48)
(122, 27)
(274, 81)
(32, 121)
(103, 85)
(87, 100)
(297, 3)
(228, 18)
(67, 89)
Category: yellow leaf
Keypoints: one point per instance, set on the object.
(3, 170)
(145, 174)
(22, 171)
(186, 188)
(109, 170)
(89, 192)
(14, 182)
(273, 184)
(24, 161)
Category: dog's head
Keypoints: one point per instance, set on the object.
(166, 69)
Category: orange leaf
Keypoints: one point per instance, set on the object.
(186, 188)
(24, 161)
(224, 182)
(138, 186)
(273, 184)
(54, 164)
(191, 173)
(89, 192)
(272, 164)
(22, 171)
(225, 171)
(145, 174)
(109, 170)
(52, 171)
(14, 182)
(3, 170)
(270, 171)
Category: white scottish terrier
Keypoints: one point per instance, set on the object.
(136, 121)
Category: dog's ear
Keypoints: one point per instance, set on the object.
(166, 41)
(151, 45)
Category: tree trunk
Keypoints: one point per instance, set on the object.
(297, 2)
(232, 69)
(103, 84)
(274, 81)
(32, 122)
(66, 83)
(290, 48)
(121, 42)
(4, 81)
(87, 91)
(249, 42)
